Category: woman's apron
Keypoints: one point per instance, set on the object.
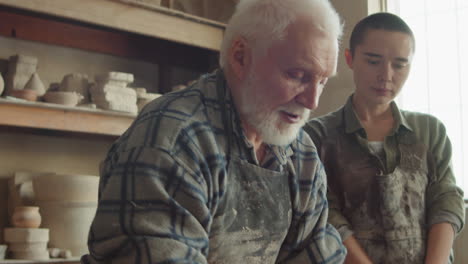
(387, 211)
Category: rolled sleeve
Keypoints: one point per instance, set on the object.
(443, 195)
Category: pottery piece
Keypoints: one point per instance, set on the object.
(110, 92)
(26, 216)
(20, 70)
(15, 234)
(27, 94)
(30, 255)
(83, 188)
(69, 224)
(65, 253)
(63, 98)
(2, 85)
(76, 82)
(35, 84)
(140, 91)
(3, 249)
(113, 97)
(54, 252)
(27, 246)
(117, 77)
(20, 190)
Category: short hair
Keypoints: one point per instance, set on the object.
(261, 22)
(384, 21)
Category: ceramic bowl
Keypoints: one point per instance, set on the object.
(26, 94)
(63, 98)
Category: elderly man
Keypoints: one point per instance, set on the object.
(222, 172)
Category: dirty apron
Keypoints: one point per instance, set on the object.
(254, 215)
(386, 210)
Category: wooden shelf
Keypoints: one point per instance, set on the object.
(55, 117)
(55, 261)
(152, 21)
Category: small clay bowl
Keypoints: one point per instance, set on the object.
(26, 94)
(63, 98)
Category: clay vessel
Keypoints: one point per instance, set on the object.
(2, 84)
(35, 84)
(26, 217)
(63, 98)
(3, 249)
(28, 94)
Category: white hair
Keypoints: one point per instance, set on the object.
(262, 22)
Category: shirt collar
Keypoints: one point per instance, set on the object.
(352, 123)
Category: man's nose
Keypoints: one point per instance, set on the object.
(309, 98)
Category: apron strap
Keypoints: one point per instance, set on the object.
(221, 87)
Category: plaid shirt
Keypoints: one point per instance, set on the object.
(163, 182)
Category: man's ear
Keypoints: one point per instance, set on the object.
(240, 57)
(349, 58)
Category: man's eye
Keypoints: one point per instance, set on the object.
(373, 62)
(296, 75)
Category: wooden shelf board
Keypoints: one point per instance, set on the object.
(55, 261)
(56, 117)
(156, 22)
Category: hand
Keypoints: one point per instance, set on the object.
(439, 243)
(356, 254)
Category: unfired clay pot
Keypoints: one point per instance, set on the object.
(26, 217)
(63, 98)
(35, 84)
(2, 84)
(26, 94)
(3, 249)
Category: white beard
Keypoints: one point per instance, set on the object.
(268, 123)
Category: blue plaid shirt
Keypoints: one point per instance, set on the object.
(162, 182)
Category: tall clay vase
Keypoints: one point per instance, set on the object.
(26, 217)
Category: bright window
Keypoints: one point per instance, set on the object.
(438, 82)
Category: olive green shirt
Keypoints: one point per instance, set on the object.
(422, 134)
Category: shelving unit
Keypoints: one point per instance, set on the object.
(117, 27)
(120, 28)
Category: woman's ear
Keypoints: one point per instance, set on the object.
(240, 57)
(349, 58)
